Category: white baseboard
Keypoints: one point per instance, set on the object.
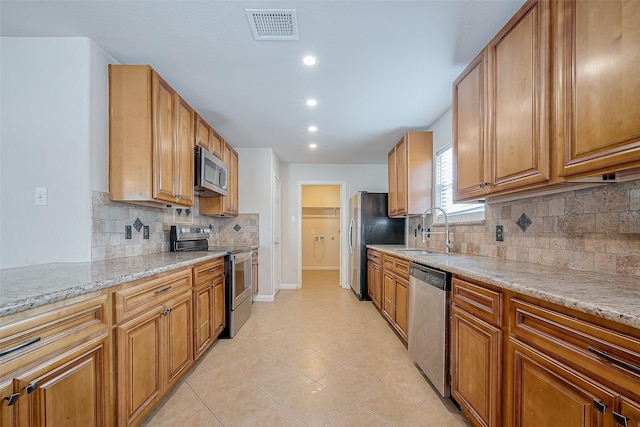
(321, 268)
(289, 286)
(263, 298)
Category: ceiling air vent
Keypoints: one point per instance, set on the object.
(273, 24)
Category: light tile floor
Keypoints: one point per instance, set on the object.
(314, 357)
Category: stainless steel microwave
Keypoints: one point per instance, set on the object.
(211, 174)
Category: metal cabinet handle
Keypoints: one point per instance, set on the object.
(600, 407)
(620, 419)
(615, 361)
(19, 346)
(12, 399)
(159, 291)
(166, 312)
(31, 387)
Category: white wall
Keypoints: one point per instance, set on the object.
(256, 169)
(357, 177)
(442, 131)
(54, 116)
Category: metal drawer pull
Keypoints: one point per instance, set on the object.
(615, 361)
(213, 271)
(31, 387)
(600, 407)
(166, 312)
(19, 346)
(12, 399)
(159, 291)
(620, 419)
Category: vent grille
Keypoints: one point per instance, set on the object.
(273, 24)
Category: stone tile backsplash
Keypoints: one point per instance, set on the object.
(590, 229)
(110, 218)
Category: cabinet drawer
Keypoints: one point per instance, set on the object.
(52, 332)
(374, 256)
(583, 345)
(483, 303)
(388, 262)
(143, 294)
(207, 271)
(402, 268)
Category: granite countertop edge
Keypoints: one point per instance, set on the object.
(116, 277)
(621, 306)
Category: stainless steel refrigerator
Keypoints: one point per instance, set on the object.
(368, 225)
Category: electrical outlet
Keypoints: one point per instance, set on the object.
(499, 233)
(145, 232)
(127, 232)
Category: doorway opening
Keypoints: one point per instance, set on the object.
(320, 244)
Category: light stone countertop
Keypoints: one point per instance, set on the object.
(23, 288)
(609, 296)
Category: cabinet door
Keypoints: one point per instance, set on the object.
(476, 364)
(393, 182)
(402, 181)
(371, 281)
(215, 144)
(219, 319)
(377, 271)
(7, 404)
(547, 393)
(184, 152)
(72, 394)
(388, 295)
(203, 134)
(164, 155)
(469, 132)
(179, 337)
(139, 351)
(519, 97)
(402, 305)
(630, 411)
(599, 85)
(203, 310)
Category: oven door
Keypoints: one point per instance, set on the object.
(241, 278)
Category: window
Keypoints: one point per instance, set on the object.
(456, 212)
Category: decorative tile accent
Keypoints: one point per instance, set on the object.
(523, 222)
(137, 224)
(237, 227)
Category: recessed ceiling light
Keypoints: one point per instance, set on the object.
(312, 128)
(312, 102)
(309, 60)
(312, 145)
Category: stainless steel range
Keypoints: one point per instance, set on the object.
(237, 271)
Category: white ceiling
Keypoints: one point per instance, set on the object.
(384, 67)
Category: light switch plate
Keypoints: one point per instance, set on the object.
(127, 232)
(145, 232)
(499, 233)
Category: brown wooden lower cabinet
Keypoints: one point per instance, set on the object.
(395, 293)
(548, 393)
(476, 351)
(551, 375)
(374, 278)
(208, 304)
(476, 374)
(55, 370)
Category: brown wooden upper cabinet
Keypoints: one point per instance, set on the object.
(410, 166)
(206, 137)
(598, 83)
(552, 98)
(151, 134)
(224, 205)
(501, 132)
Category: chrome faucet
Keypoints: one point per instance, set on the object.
(447, 243)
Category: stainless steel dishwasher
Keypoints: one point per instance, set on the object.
(429, 298)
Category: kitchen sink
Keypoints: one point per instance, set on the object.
(418, 252)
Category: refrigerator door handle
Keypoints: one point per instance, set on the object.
(351, 230)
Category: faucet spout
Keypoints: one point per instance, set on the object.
(447, 243)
